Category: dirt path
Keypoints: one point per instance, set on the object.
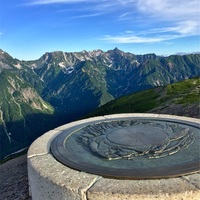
(14, 179)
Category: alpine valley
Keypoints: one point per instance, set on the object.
(59, 87)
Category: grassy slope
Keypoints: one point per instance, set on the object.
(181, 98)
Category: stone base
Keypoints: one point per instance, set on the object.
(50, 180)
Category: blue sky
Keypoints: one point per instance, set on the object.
(29, 28)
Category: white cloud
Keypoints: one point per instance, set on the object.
(158, 9)
(90, 7)
(126, 38)
(172, 19)
(86, 15)
(98, 4)
(170, 9)
(42, 2)
(188, 28)
(169, 19)
(183, 29)
(165, 8)
(125, 16)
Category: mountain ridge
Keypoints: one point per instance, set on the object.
(73, 84)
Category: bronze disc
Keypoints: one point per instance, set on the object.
(131, 148)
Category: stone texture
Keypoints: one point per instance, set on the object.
(173, 189)
(50, 180)
(41, 146)
(194, 179)
(189, 119)
(115, 116)
(151, 115)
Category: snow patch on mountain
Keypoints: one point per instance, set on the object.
(18, 66)
(68, 70)
(61, 64)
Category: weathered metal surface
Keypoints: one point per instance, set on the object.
(132, 148)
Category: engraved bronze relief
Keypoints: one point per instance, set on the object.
(128, 139)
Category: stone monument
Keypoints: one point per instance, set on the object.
(117, 157)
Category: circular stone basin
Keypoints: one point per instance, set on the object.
(131, 148)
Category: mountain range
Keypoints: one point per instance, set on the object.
(59, 87)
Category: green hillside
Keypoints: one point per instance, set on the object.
(182, 98)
